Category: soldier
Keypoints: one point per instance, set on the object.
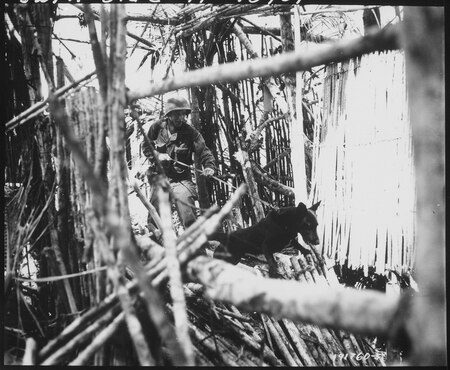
(176, 141)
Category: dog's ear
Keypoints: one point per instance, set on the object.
(315, 206)
(301, 209)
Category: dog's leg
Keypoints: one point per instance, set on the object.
(303, 250)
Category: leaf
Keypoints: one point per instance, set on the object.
(144, 59)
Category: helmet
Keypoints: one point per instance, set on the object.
(173, 104)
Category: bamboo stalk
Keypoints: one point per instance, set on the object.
(98, 342)
(279, 342)
(56, 357)
(289, 62)
(306, 269)
(247, 325)
(306, 332)
(29, 357)
(153, 299)
(204, 341)
(299, 344)
(359, 352)
(96, 51)
(22, 117)
(323, 333)
(135, 328)
(173, 267)
(318, 278)
(267, 353)
(151, 209)
(286, 342)
(345, 339)
(80, 323)
(87, 171)
(231, 314)
(77, 325)
(244, 160)
(201, 359)
(269, 83)
(272, 184)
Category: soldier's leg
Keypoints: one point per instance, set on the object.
(185, 195)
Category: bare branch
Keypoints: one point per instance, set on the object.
(385, 39)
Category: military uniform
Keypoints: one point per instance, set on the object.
(180, 146)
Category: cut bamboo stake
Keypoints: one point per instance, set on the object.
(298, 271)
(360, 355)
(306, 270)
(279, 342)
(345, 339)
(286, 342)
(204, 340)
(307, 334)
(247, 325)
(244, 358)
(299, 344)
(268, 355)
(317, 277)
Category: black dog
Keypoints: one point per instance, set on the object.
(269, 235)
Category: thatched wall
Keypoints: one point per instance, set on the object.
(363, 169)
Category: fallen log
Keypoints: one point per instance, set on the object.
(366, 312)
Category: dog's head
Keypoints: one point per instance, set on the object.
(306, 223)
